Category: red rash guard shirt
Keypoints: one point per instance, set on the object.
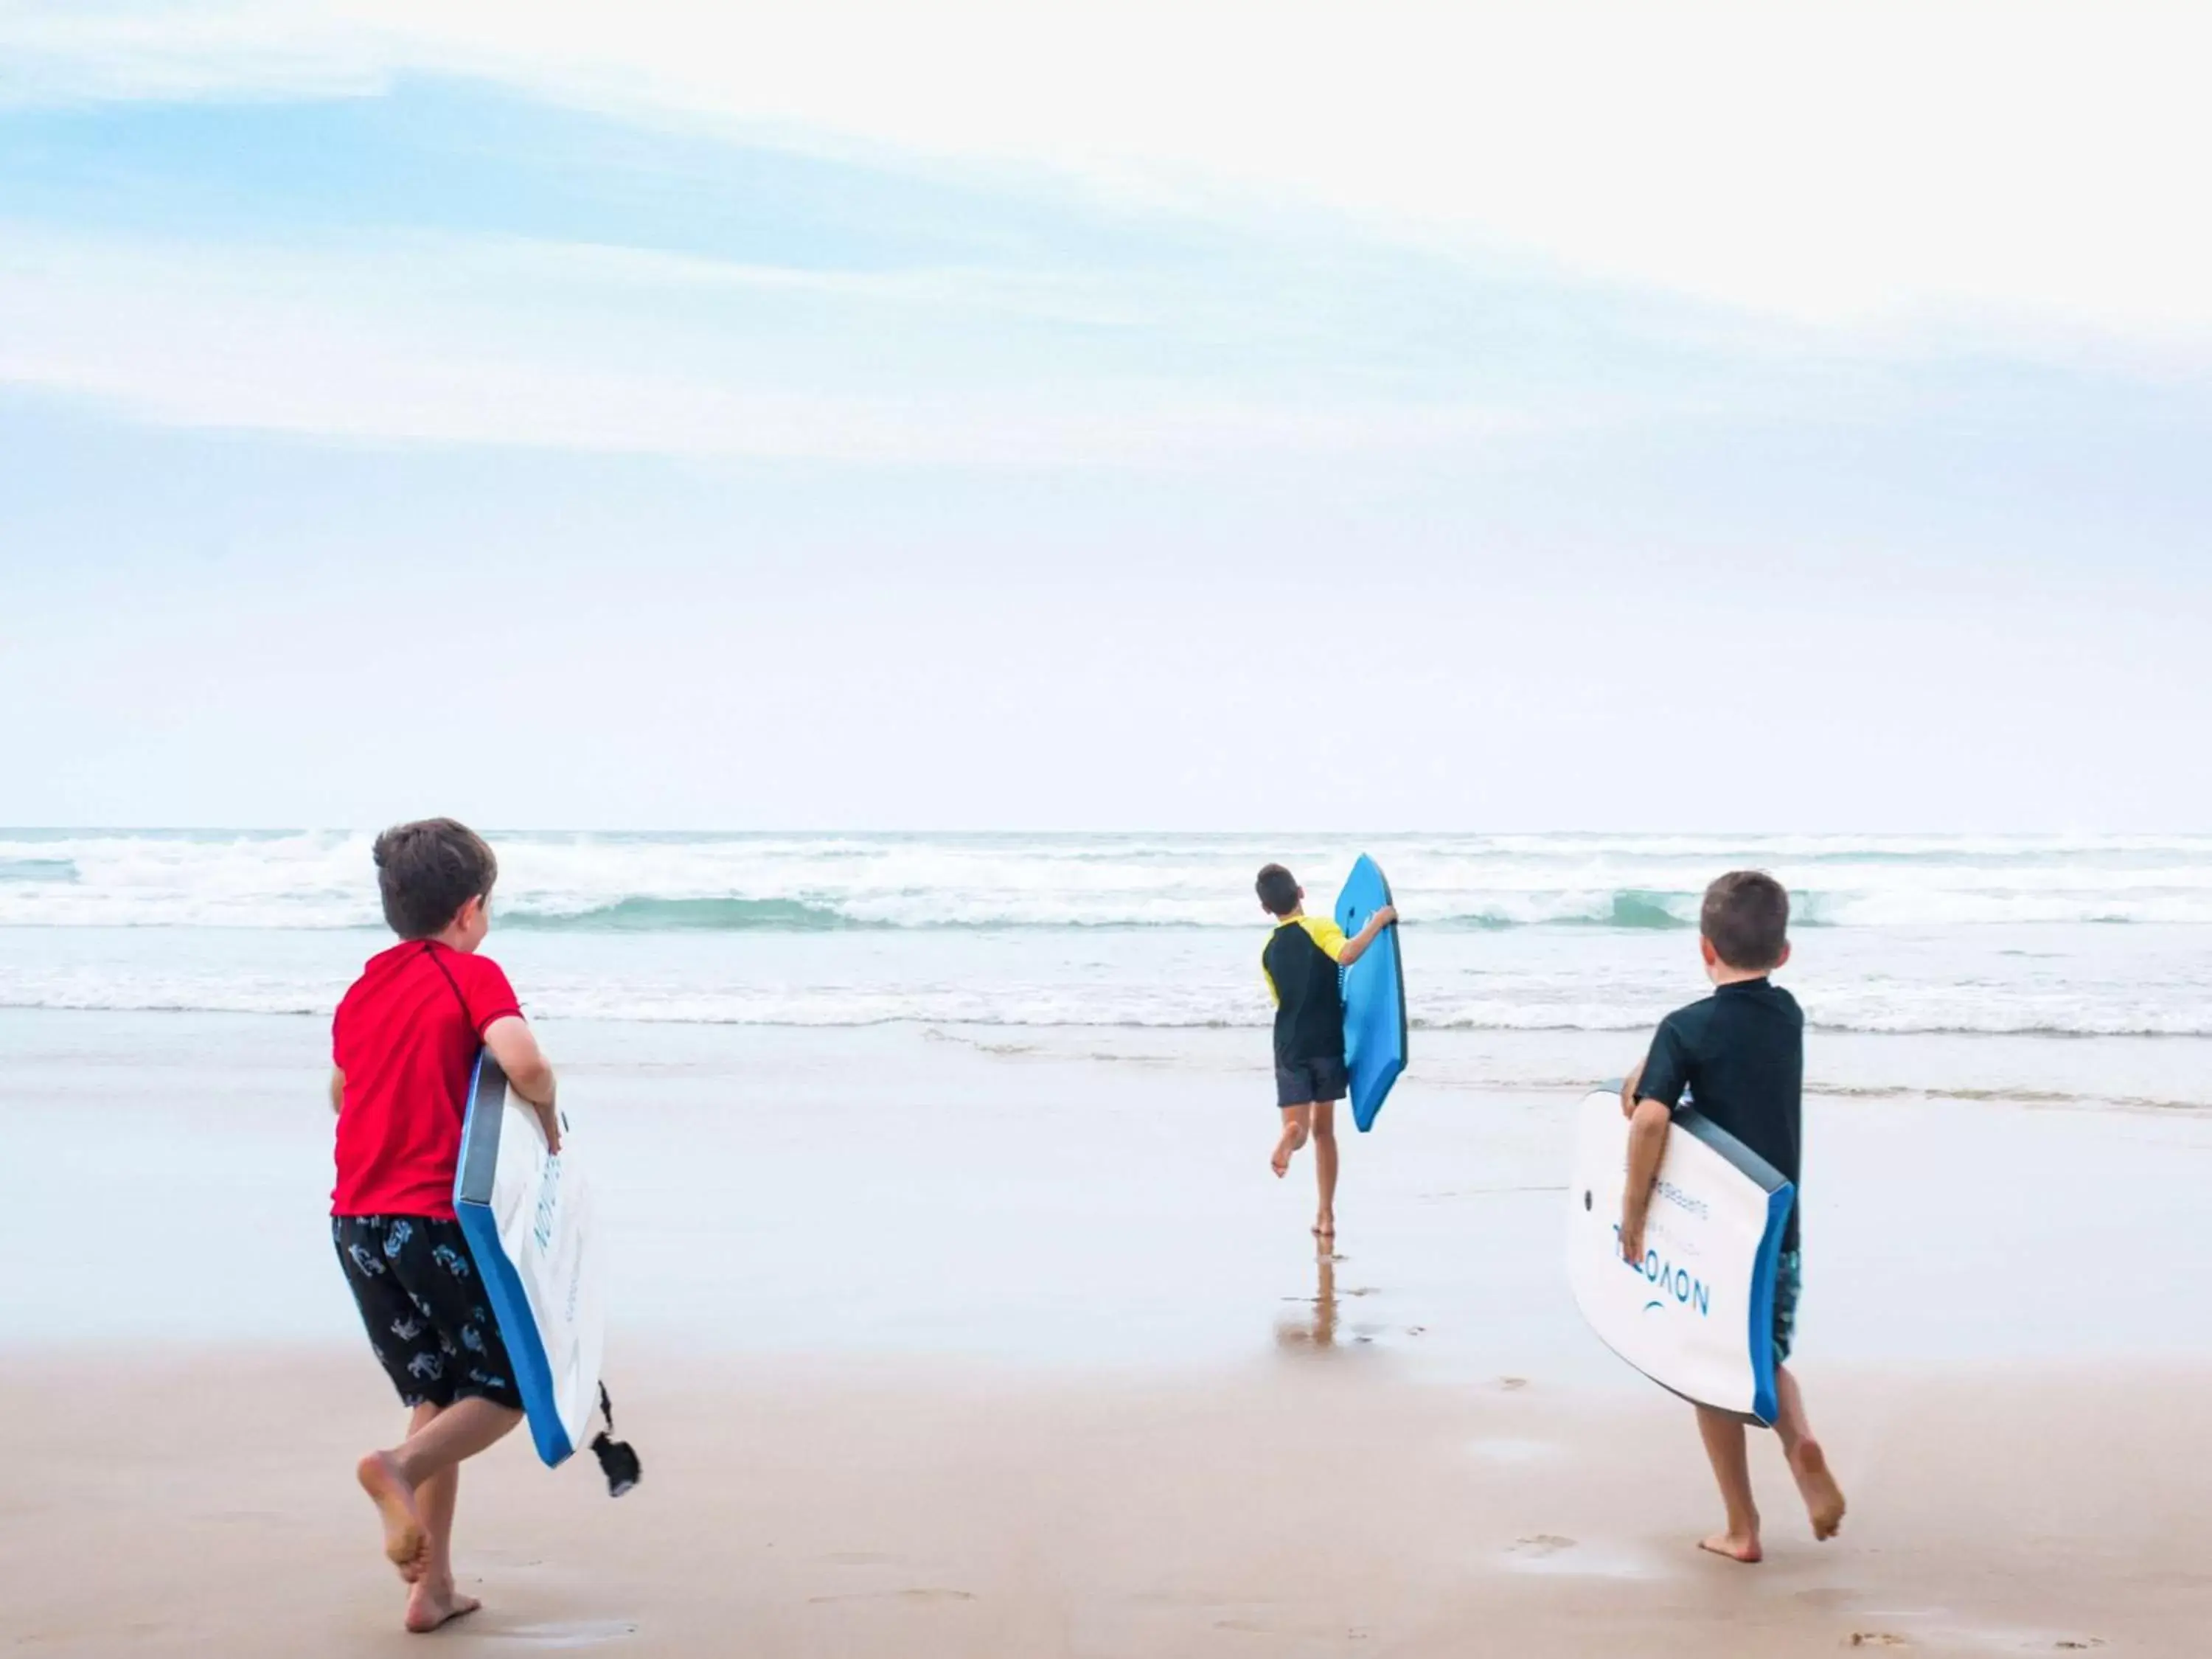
(406, 1036)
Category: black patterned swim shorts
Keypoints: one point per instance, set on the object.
(424, 1305)
(1789, 1280)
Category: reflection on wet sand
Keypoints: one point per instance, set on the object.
(1317, 1329)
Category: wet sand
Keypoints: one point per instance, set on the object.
(941, 1342)
(1322, 1504)
(1097, 1199)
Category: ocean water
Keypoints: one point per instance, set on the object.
(2035, 943)
(898, 1052)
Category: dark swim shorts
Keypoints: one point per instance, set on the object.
(1297, 1082)
(1789, 1278)
(424, 1305)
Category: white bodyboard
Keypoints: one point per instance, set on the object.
(1696, 1315)
(527, 1219)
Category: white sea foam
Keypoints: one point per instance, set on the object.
(738, 882)
(1506, 933)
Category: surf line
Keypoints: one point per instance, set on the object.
(1678, 1282)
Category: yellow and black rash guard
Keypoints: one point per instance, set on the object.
(1300, 964)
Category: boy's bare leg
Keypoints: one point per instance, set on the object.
(406, 1541)
(1296, 1124)
(1731, 1461)
(394, 1480)
(1324, 1145)
(1824, 1498)
(434, 1602)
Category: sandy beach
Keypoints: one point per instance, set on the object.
(969, 1344)
(199, 1504)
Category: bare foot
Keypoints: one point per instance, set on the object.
(1743, 1547)
(1281, 1163)
(429, 1606)
(1824, 1498)
(1325, 1225)
(406, 1545)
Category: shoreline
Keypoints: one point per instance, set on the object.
(818, 1193)
(1242, 1029)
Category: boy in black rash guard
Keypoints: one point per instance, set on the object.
(1740, 1056)
(1301, 962)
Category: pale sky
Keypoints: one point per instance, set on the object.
(1195, 417)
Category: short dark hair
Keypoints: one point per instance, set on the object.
(1279, 889)
(1747, 916)
(426, 872)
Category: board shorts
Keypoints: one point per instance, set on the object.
(424, 1305)
(1299, 1081)
(1789, 1279)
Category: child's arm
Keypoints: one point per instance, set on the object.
(1648, 1098)
(1356, 947)
(514, 1046)
(1647, 1142)
(337, 1090)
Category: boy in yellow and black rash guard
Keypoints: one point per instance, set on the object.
(1302, 961)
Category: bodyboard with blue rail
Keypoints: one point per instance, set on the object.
(1696, 1315)
(1374, 996)
(527, 1215)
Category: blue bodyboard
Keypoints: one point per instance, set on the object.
(525, 1212)
(1374, 996)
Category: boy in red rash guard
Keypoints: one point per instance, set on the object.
(403, 1043)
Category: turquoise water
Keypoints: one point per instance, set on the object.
(2073, 938)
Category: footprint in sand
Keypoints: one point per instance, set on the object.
(2078, 1643)
(1877, 1638)
(1825, 1597)
(567, 1633)
(1538, 1544)
(1253, 1627)
(1512, 1385)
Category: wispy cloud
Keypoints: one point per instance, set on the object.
(1134, 238)
(1827, 163)
(434, 340)
(67, 52)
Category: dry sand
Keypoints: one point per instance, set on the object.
(1323, 1503)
